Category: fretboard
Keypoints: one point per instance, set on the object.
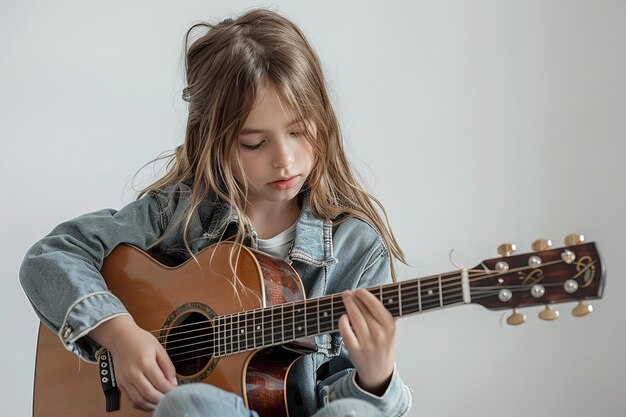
(284, 323)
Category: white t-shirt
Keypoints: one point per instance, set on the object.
(278, 245)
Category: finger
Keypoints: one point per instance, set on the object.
(150, 396)
(349, 338)
(375, 308)
(357, 321)
(166, 365)
(137, 399)
(157, 380)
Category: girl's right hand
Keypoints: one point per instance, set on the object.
(143, 371)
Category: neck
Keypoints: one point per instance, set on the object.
(271, 218)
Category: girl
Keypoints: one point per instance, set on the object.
(262, 164)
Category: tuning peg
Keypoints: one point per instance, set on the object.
(574, 239)
(548, 313)
(541, 244)
(582, 309)
(507, 249)
(516, 318)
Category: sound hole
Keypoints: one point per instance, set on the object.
(190, 343)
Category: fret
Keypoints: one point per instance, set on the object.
(381, 296)
(238, 330)
(300, 317)
(279, 334)
(224, 336)
(228, 340)
(465, 286)
(258, 328)
(306, 333)
(268, 333)
(411, 295)
(249, 330)
(311, 318)
(325, 319)
(244, 332)
(337, 312)
(440, 293)
(233, 333)
(231, 329)
(419, 294)
(287, 322)
(400, 297)
(242, 326)
(391, 302)
(217, 337)
(293, 321)
(318, 317)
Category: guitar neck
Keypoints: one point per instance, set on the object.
(543, 277)
(285, 323)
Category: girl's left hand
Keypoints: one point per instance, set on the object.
(369, 332)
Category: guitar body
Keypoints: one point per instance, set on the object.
(169, 301)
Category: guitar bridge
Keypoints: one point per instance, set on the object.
(107, 380)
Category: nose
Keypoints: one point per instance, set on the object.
(283, 154)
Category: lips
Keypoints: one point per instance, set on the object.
(284, 183)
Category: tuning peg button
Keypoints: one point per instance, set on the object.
(548, 314)
(507, 249)
(516, 318)
(568, 256)
(574, 239)
(541, 244)
(582, 310)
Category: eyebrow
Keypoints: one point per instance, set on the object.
(252, 130)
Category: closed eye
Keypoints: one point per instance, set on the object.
(252, 147)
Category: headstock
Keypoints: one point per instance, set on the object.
(547, 276)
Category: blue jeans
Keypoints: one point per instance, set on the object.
(204, 400)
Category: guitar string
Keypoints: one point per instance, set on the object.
(235, 333)
(327, 302)
(426, 283)
(300, 320)
(433, 284)
(234, 343)
(228, 352)
(233, 338)
(430, 283)
(233, 351)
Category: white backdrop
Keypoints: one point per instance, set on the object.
(475, 122)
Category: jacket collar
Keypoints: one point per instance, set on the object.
(312, 245)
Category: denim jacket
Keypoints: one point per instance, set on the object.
(60, 275)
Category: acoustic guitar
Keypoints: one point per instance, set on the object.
(236, 333)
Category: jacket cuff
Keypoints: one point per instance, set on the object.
(396, 400)
(83, 316)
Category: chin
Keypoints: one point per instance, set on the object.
(286, 196)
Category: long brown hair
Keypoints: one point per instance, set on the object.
(227, 68)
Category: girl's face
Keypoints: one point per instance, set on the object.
(274, 153)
